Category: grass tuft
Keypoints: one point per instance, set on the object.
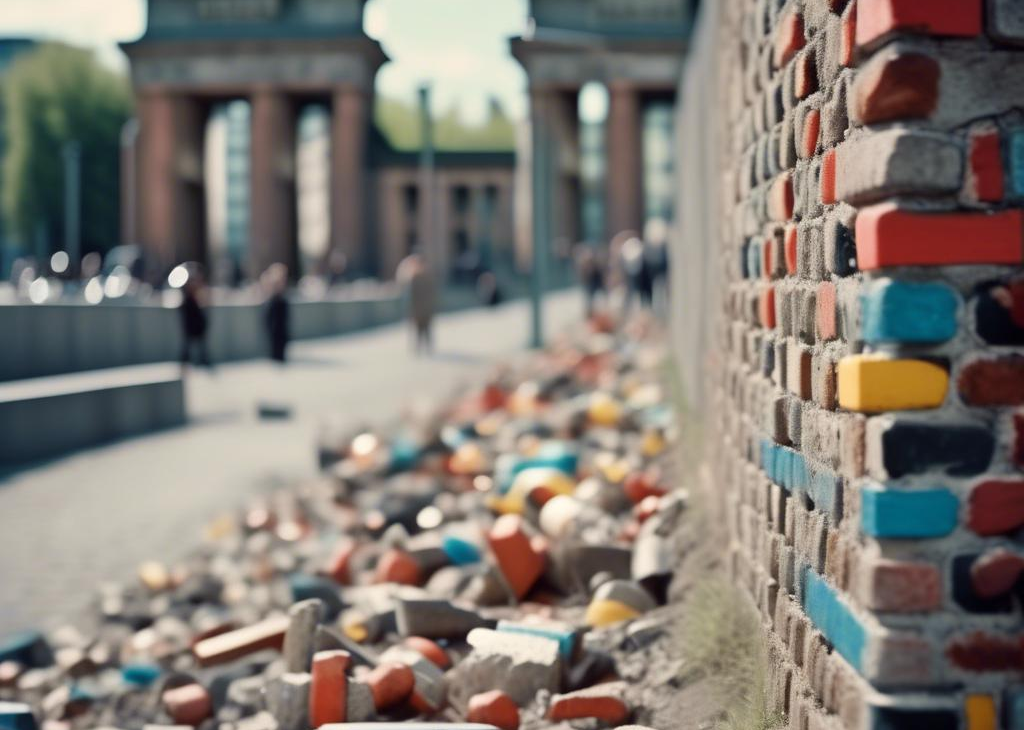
(723, 642)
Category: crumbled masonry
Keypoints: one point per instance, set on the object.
(484, 564)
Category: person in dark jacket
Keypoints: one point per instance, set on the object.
(275, 283)
(194, 321)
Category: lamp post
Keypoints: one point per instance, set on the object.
(541, 204)
(72, 153)
(431, 245)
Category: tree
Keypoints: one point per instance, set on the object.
(54, 95)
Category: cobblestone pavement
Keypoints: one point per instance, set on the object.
(69, 524)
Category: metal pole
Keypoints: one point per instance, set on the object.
(427, 164)
(72, 203)
(541, 223)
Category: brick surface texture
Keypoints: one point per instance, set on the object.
(861, 184)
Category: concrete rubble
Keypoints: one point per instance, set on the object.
(505, 560)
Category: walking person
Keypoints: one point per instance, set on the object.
(591, 272)
(415, 276)
(194, 321)
(275, 284)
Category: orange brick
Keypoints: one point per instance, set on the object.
(878, 18)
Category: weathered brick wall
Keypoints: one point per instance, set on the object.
(866, 377)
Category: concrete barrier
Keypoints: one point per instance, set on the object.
(50, 339)
(44, 417)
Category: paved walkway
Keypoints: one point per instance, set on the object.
(69, 524)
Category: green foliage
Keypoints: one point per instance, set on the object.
(400, 123)
(53, 95)
(721, 635)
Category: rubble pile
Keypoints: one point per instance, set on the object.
(506, 561)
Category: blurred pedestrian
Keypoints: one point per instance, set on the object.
(656, 258)
(418, 281)
(194, 323)
(591, 272)
(639, 283)
(275, 284)
(488, 290)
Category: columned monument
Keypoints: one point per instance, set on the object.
(278, 55)
(635, 48)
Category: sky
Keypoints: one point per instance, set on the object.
(459, 46)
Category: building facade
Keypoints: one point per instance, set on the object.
(304, 179)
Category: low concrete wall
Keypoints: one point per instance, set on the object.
(41, 417)
(50, 339)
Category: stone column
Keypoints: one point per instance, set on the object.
(272, 237)
(624, 177)
(349, 139)
(169, 190)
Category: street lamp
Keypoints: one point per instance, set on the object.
(72, 153)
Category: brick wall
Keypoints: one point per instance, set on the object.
(858, 201)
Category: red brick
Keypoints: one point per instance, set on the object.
(430, 651)
(268, 634)
(890, 236)
(996, 507)
(789, 38)
(828, 177)
(189, 704)
(877, 18)
(639, 485)
(339, 564)
(826, 314)
(979, 652)
(766, 308)
(396, 566)
(767, 265)
(789, 247)
(997, 382)
(328, 688)
(806, 81)
(812, 126)
(780, 197)
(390, 684)
(986, 168)
(493, 708)
(588, 703)
(903, 587)
(848, 43)
(995, 573)
(904, 86)
(519, 562)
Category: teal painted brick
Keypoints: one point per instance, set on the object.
(896, 311)
(833, 618)
(1017, 161)
(754, 258)
(908, 514)
(566, 637)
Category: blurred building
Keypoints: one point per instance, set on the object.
(255, 144)
(634, 49)
(10, 49)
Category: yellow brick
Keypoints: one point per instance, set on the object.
(981, 712)
(874, 383)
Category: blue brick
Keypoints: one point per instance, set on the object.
(754, 258)
(16, 716)
(898, 513)
(551, 454)
(798, 472)
(833, 618)
(897, 311)
(459, 551)
(565, 637)
(140, 674)
(1017, 161)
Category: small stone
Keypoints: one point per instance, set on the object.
(359, 703)
(430, 650)
(519, 665)
(396, 566)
